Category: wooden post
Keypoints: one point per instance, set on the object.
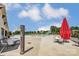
(22, 39)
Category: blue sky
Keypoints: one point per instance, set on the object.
(41, 16)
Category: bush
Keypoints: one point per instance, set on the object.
(75, 34)
(54, 30)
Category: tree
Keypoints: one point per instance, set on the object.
(16, 32)
(54, 30)
(10, 33)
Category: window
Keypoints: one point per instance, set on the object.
(0, 7)
(3, 16)
(5, 33)
(5, 23)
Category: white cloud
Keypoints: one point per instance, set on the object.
(51, 12)
(23, 14)
(33, 14)
(16, 28)
(47, 28)
(56, 24)
(44, 28)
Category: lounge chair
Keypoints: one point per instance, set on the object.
(76, 40)
(5, 43)
(58, 39)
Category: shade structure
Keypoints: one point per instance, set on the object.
(65, 31)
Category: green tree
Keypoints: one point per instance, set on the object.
(16, 32)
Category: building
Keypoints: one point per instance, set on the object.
(4, 29)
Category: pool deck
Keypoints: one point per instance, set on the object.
(44, 45)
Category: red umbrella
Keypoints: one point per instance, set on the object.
(65, 30)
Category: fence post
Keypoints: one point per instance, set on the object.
(22, 39)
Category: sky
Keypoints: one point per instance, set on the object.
(40, 16)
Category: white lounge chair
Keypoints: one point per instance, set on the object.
(5, 43)
(58, 39)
